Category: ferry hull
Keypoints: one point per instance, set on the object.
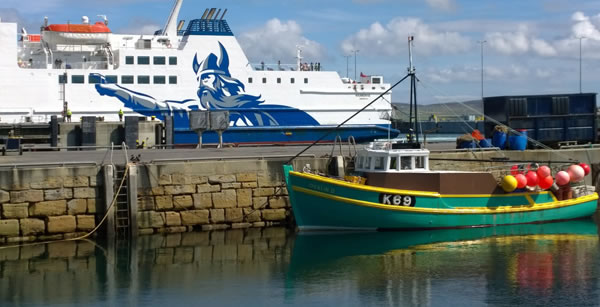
(323, 203)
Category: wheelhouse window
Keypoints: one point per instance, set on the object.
(405, 163)
(129, 60)
(159, 60)
(368, 163)
(172, 79)
(419, 162)
(359, 162)
(143, 60)
(394, 163)
(78, 79)
(172, 60)
(159, 80)
(127, 79)
(379, 165)
(143, 79)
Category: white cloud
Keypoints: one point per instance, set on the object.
(443, 5)
(283, 37)
(391, 39)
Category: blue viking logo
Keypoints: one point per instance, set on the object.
(217, 89)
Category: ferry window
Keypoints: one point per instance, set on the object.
(62, 79)
(143, 60)
(159, 60)
(376, 80)
(93, 79)
(111, 79)
(78, 79)
(127, 79)
(292, 80)
(393, 163)
(172, 60)
(249, 80)
(379, 163)
(405, 162)
(143, 79)
(278, 80)
(159, 80)
(419, 162)
(264, 80)
(172, 79)
(305, 80)
(129, 60)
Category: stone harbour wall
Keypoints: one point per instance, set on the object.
(48, 203)
(212, 195)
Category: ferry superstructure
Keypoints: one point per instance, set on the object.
(90, 71)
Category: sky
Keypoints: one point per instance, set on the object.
(529, 46)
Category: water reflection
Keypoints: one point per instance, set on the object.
(549, 264)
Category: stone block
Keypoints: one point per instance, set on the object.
(91, 205)
(281, 191)
(252, 215)
(163, 202)
(198, 179)
(217, 216)
(249, 185)
(183, 202)
(26, 196)
(179, 178)
(164, 179)
(194, 217)
(15, 211)
(20, 239)
(215, 227)
(180, 189)
(261, 192)
(145, 231)
(244, 198)
(58, 194)
(258, 224)
(273, 214)
(93, 181)
(240, 225)
(234, 215)
(76, 182)
(146, 203)
(173, 218)
(151, 219)
(158, 190)
(4, 197)
(224, 199)
(246, 177)
(202, 201)
(207, 188)
(221, 178)
(76, 206)
(32, 227)
(278, 202)
(48, 208)
(86, 222)
(84, 192)
(61, 224)
(9, 228)
(268, 180)
(231, 185)
(172, 229)
(259, 202)
(48, 183)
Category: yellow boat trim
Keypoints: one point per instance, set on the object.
(474, 210)
(398, 191)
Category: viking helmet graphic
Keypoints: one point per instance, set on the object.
(212, 64)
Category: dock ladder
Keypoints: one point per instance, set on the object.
(122, 214)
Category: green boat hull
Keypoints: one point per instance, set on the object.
(324, 203)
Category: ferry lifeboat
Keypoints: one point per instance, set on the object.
(77, 34)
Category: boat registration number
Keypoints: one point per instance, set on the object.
(397, 200)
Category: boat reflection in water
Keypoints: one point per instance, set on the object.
(547, 264)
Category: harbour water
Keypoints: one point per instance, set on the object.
(556, 264)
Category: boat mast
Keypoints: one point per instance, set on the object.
(170, 28)
(413, 96)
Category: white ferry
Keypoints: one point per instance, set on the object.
(89, 71)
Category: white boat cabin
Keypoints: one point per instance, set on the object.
(380, 157)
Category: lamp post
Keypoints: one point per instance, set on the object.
(347, 61)
(355, 52)
(580, 38)
(481, 42)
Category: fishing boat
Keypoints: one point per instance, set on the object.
(392, 187)
(89, 70)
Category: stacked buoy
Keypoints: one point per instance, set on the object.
(541, 177)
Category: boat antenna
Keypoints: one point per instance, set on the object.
(413, 128)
